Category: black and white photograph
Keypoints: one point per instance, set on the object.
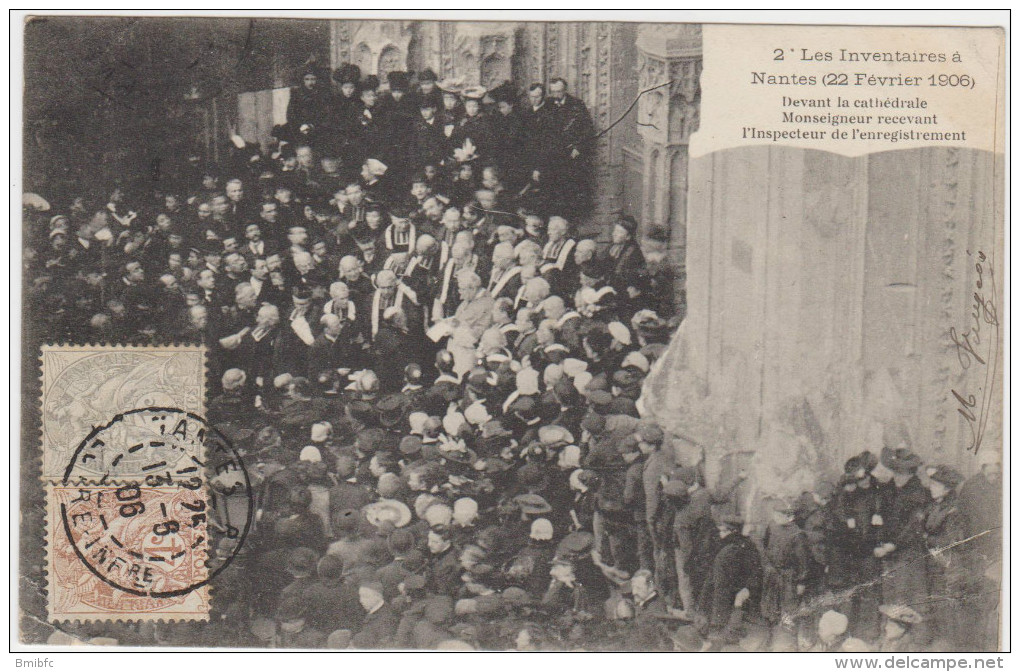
(447, 333)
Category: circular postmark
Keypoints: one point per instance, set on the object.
(161, 502)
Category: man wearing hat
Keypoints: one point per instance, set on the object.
(572, 153)
(900, 542)
(694, 529)
(788, 568)
(658, 465)
(297, 336)
(733, 586)
(813, 513)
(955, 572)
(372, 125)
(857, 520)
(294, 630)
(393, 348)
(332, 601)
(391, 409)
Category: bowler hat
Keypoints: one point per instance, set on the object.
(532, 504)
(427, 75)
(302, 560)
(623, 406)
(398, 80)
(593, 423)
(371, 439)
(902, 460)
(575, 544)
(860, 465)
(946, 475)
(414, 582)
(650, 432)
(330, 567)
(626, 378)
(410, 445)
(390, 409)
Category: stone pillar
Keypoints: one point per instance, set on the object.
(666, 118)
(339, 43)
(598, 46)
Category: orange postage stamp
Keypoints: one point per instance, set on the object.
(137, 484)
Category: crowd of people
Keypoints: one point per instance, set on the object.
(435, 384)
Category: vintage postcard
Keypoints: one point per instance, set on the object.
(592, 335)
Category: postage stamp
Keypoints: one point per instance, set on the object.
(139, 496)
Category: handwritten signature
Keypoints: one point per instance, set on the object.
(977, 349)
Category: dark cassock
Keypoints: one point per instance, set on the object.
(297, 333)
(736, 567)
(330, 351)
(392, 350)
(571, 156)
(231, 321)
(260, 348)
(537, 128)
